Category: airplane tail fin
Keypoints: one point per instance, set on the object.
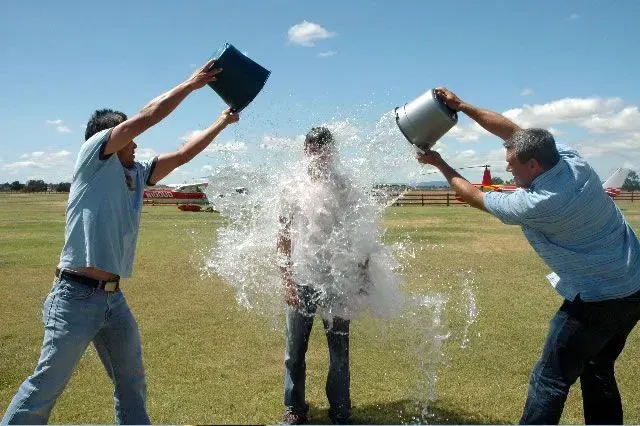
(616, 180)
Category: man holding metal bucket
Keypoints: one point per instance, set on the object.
(576, 228)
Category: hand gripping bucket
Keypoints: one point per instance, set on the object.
(425, 120)
(241, 78)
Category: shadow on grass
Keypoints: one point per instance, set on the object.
(407, 412)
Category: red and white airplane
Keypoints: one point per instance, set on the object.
(188, 197)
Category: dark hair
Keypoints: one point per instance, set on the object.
(103, 119)
(534, 143)
(319, 136)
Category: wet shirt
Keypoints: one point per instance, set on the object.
(576, 228)
(321, 227)
(103, 211)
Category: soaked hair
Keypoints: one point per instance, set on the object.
(103, 119)
(534, 143)
(320, 137)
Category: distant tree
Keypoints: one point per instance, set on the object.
(63, 187)
(35, 186)
(496, 181)
(632, 183)
(16, 186)
(5, 187)
(510, 182)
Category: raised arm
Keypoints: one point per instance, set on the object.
(168, 162)
(159, 108)
(491, 121)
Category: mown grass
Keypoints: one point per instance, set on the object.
(209, 361)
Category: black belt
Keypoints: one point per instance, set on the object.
(106, 285)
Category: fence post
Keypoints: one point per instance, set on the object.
(447, 198)
(422, 198)
(632, 196)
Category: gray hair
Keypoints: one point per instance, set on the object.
(534, 143)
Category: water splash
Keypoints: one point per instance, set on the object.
(335, 225)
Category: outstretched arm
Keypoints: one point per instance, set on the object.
(159, 108)
(469, 193)
(168, 162)
(491, 121)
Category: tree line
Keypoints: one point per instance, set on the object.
(35, 185)
(632, 183)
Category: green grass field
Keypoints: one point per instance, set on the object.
(209, 361)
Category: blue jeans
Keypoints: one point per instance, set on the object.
(337, 387)
(584, 341)
(74, 315)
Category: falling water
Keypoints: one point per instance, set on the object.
(335, 223)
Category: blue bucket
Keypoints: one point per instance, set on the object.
(241, 78)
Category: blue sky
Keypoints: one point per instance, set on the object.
(570, 66)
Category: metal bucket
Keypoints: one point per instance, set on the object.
(241, 78)
(425, 120)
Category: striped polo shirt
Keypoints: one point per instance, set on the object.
(576, 228)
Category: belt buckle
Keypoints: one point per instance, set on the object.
(110, 286)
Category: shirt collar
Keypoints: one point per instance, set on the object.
(548, 176)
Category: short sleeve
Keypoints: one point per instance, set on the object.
(511, 208)
(91, 156)
(147, 170)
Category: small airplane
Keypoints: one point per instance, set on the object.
(188, 197)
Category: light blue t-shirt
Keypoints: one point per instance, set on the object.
(103, 213)
(576, 228)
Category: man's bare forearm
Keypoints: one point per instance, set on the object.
(198, 143)
(160, 107)
(469, 193)
(491, 121)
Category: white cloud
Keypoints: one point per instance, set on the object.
(60, 126)
(573, 17)
(307, 33)
(623, 146)
(61, 154)
(178, 175)
(466, 133)
(14, 167)
(190, 135)
(143, 154)
(53, 165)
(564, 110)
(625, 120)
(327, 54)
(234, 146)
(526, 92)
